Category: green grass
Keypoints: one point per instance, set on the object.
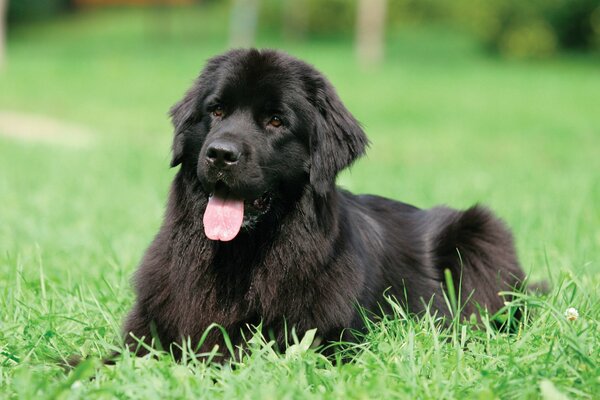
(448, 125)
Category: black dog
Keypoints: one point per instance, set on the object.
(256, 230)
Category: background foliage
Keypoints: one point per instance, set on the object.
(513, 28)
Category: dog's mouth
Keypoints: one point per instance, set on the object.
(225, 212)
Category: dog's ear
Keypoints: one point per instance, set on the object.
(337, 139)
(187, 111)
(183, 114)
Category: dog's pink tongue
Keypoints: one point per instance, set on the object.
(223, 218)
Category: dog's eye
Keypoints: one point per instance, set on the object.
(217, 111)
(275, 121)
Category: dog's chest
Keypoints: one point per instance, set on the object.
(287, 278)
(233, 291)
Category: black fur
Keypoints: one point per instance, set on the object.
(316, 251)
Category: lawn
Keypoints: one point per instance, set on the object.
(448, 124)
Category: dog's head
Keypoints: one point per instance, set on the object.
(256, 128)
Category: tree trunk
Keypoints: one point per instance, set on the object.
(370, 30)
(295, 19)
(3, 9)
(244, 17)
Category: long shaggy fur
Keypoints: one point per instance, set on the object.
(318, 251)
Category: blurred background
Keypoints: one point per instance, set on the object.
(511, 28)
(465, 101)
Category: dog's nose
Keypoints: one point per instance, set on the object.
(222, 154)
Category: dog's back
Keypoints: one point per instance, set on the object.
(418, 245)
